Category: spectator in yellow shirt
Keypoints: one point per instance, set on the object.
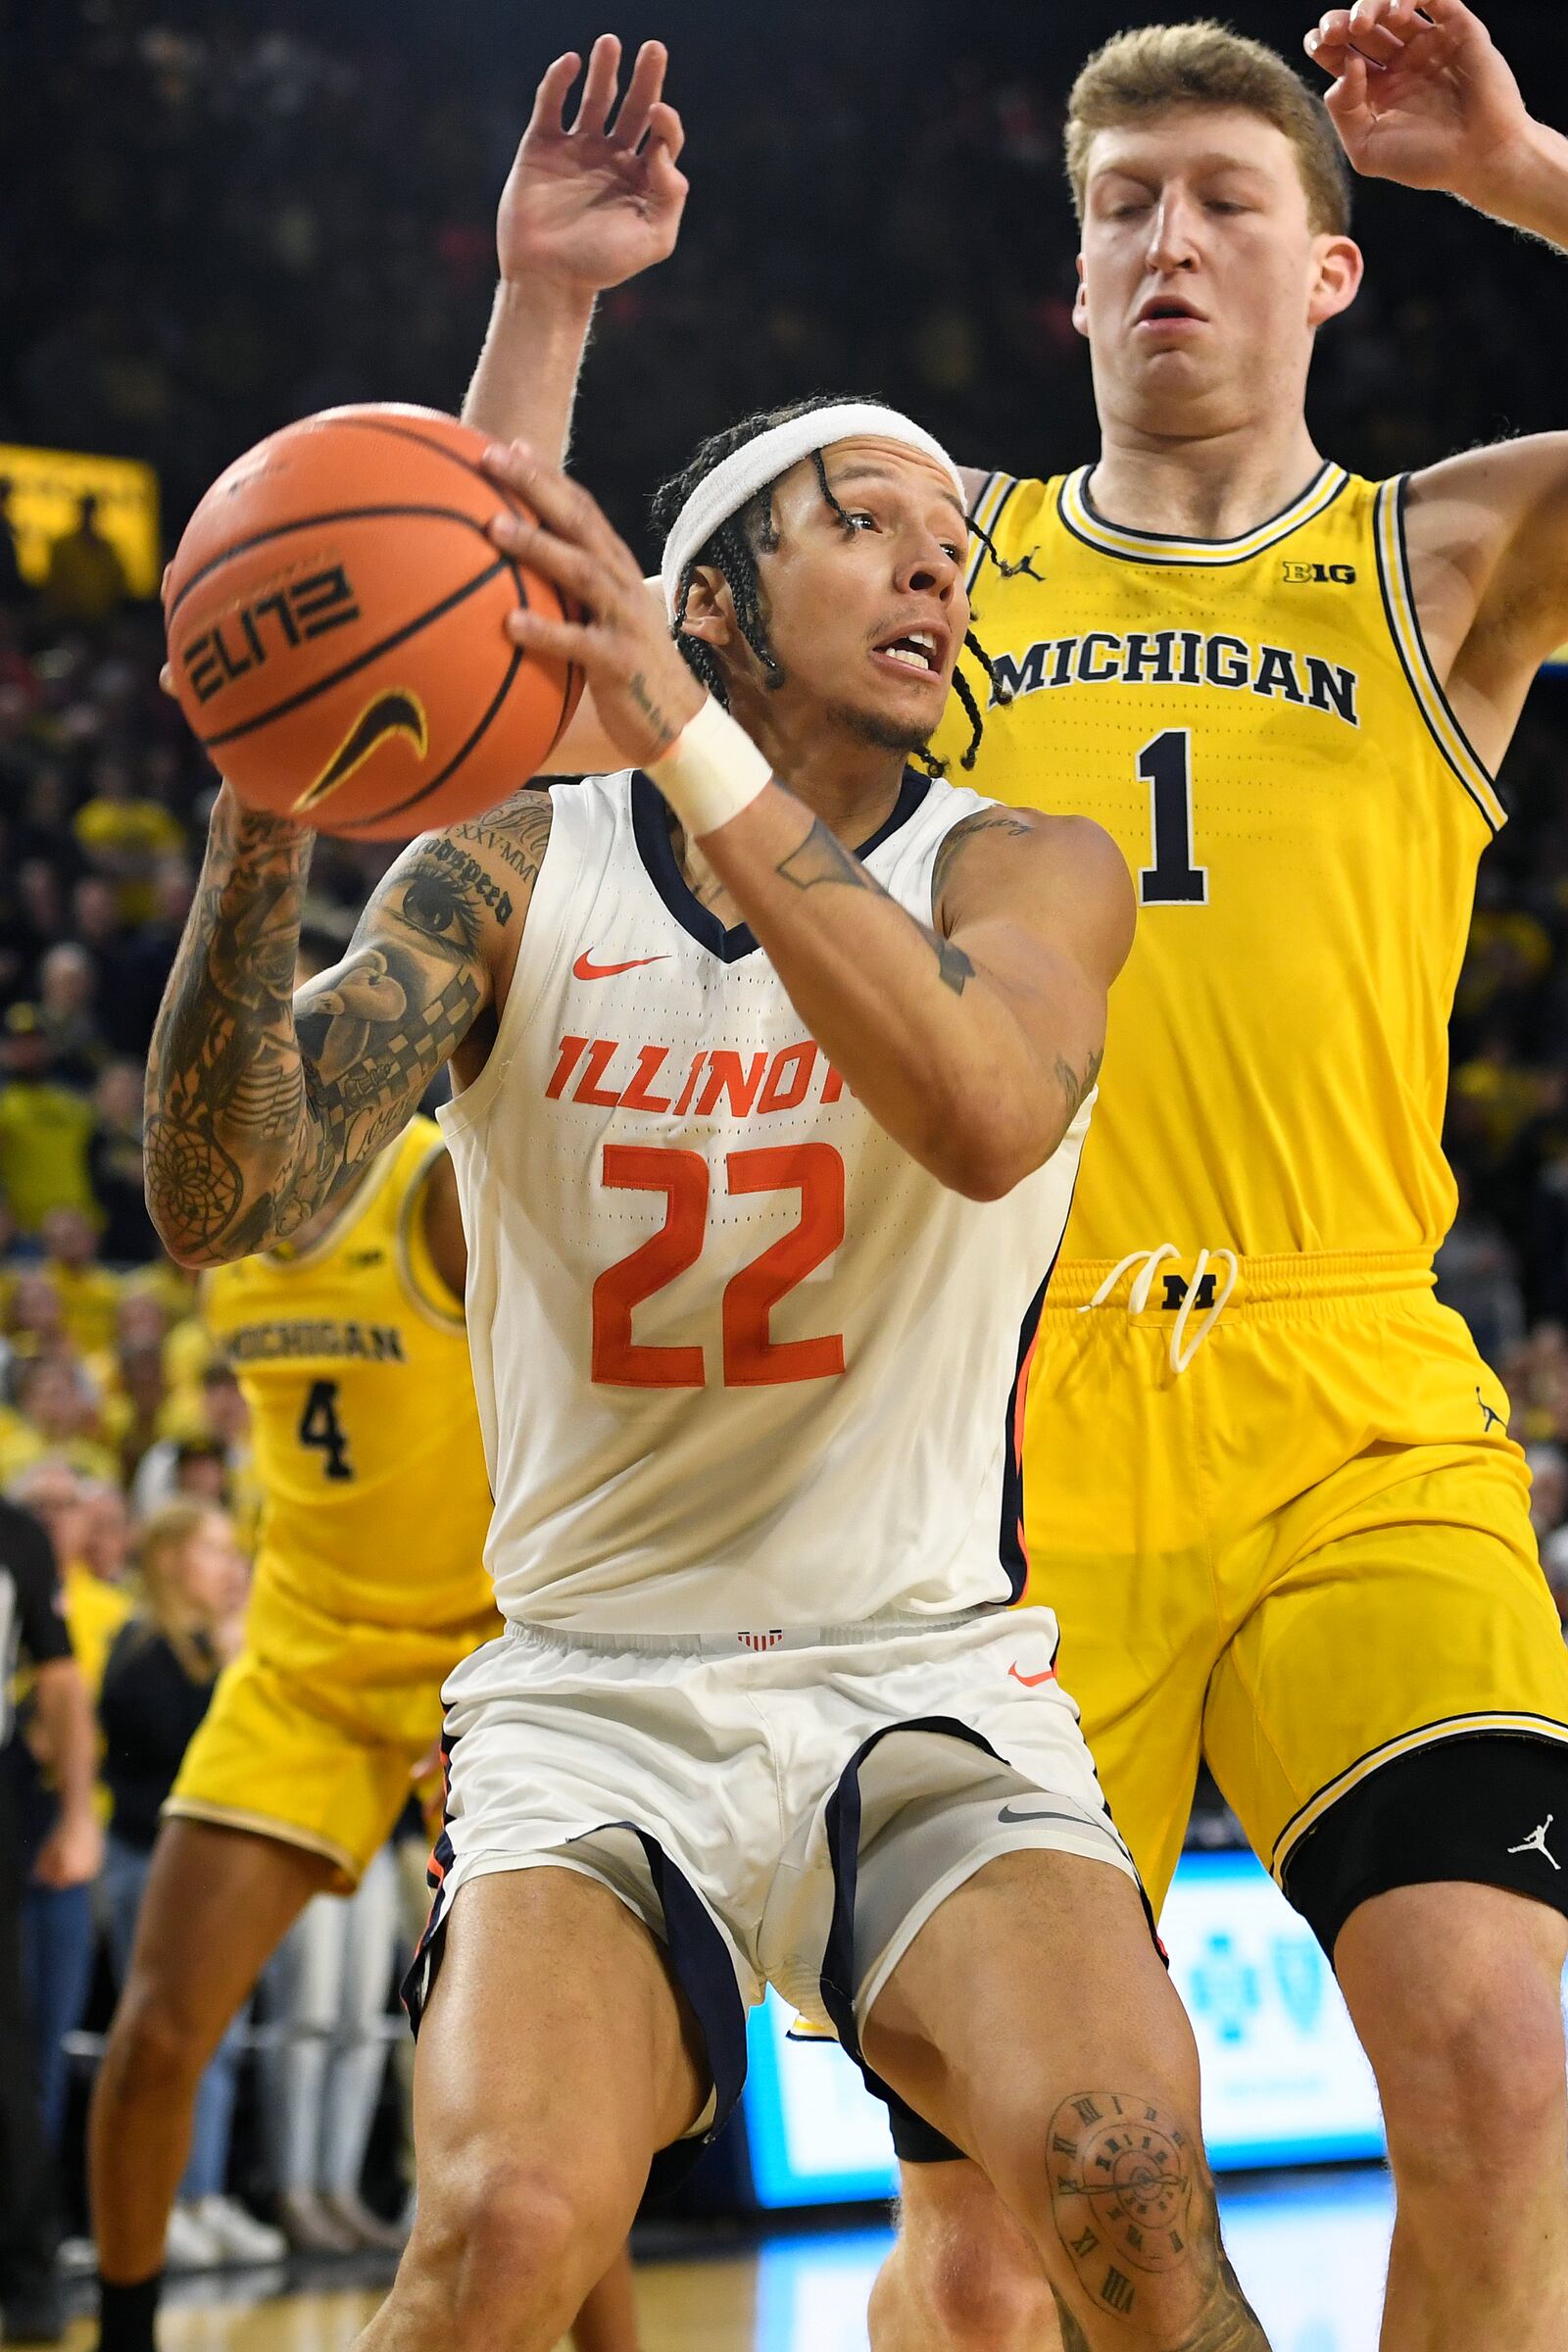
(85, 580)
(124, 835)
(56, 1492)
(90, 1294)
(35, 1318)
(44, 1128)
(56, 1415)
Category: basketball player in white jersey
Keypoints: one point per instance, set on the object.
(769, 1102)
(1214, 246)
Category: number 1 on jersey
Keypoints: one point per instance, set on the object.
(1167, 768)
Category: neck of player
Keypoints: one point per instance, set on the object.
(823, 756)
(1214, 483)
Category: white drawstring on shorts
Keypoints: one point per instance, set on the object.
(1182, 1349)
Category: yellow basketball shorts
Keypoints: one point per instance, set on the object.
(1306, 1555)
(317, 1750)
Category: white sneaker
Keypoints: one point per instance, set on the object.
(188, 2244)
(239, 2235)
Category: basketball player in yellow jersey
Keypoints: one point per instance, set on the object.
(1269, 1490)
(350, 1346)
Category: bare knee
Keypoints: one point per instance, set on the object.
(157, 2048)
(503, 2242)
(963, 2275)
(968, 2282)
(1472, 2076)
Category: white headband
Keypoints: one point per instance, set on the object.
(750, 467)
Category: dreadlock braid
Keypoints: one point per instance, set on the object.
(1010, 571)
(732, 551)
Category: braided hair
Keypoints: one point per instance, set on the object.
(750, 532)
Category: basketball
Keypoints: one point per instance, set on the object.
(336, 614)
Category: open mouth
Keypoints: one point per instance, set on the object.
(914, 649)
(1166, 307)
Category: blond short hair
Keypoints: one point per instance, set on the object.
(1137, 75)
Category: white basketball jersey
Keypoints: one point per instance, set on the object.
(739, 1360)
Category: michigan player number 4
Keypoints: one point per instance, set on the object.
(1165, 765)
(321, 1430)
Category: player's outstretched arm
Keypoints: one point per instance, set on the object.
(1422, 95)
(972, 1039)
(262, 1105)
(585, 207)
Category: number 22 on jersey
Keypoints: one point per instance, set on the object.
(750, 1355)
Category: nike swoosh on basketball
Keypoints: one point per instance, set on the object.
(585, 969)
(393, 712)
(1032, 1681)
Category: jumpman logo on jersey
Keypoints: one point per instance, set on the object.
(1535, 1843)
(1490, 1419)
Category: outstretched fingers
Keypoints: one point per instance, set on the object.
(549, 98)
(643, 93)
(599, 90)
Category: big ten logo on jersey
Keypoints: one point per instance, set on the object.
(1298, 575)
(287, 616)
(708, 1084)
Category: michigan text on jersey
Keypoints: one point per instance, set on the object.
(1177, 658)
(371, 1343)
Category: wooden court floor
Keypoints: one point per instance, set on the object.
(707, 2306)
(1311, 2250)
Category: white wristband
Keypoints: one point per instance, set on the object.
(711, 773)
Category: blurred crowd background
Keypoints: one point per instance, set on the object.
(254, 213)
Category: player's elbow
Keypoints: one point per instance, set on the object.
(984, 1157)
(189, 1251)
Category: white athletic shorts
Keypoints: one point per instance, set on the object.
(778, 1808)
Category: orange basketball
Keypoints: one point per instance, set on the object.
(334, 614)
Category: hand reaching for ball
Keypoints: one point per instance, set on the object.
(644, 694)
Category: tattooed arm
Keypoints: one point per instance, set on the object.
(972, 1039)
(262, 1105)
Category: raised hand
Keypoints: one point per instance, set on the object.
(591, 206)
(1420, 95)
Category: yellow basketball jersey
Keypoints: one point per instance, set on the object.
(1256, 723)
(355, 1364)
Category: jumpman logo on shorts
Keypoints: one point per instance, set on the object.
(1489, 1420)
(1535, 1843)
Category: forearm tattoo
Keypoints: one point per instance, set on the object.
(656, 719)
(261, 1105)
(821, 857)
(1134, 2206)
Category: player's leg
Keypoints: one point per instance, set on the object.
(963, 2271)
(217, 1903)
(606, 2320)
(1031, 2020)
(556, 2058)
(1399, 1806)
(963, 2277)
(1467, 2045)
